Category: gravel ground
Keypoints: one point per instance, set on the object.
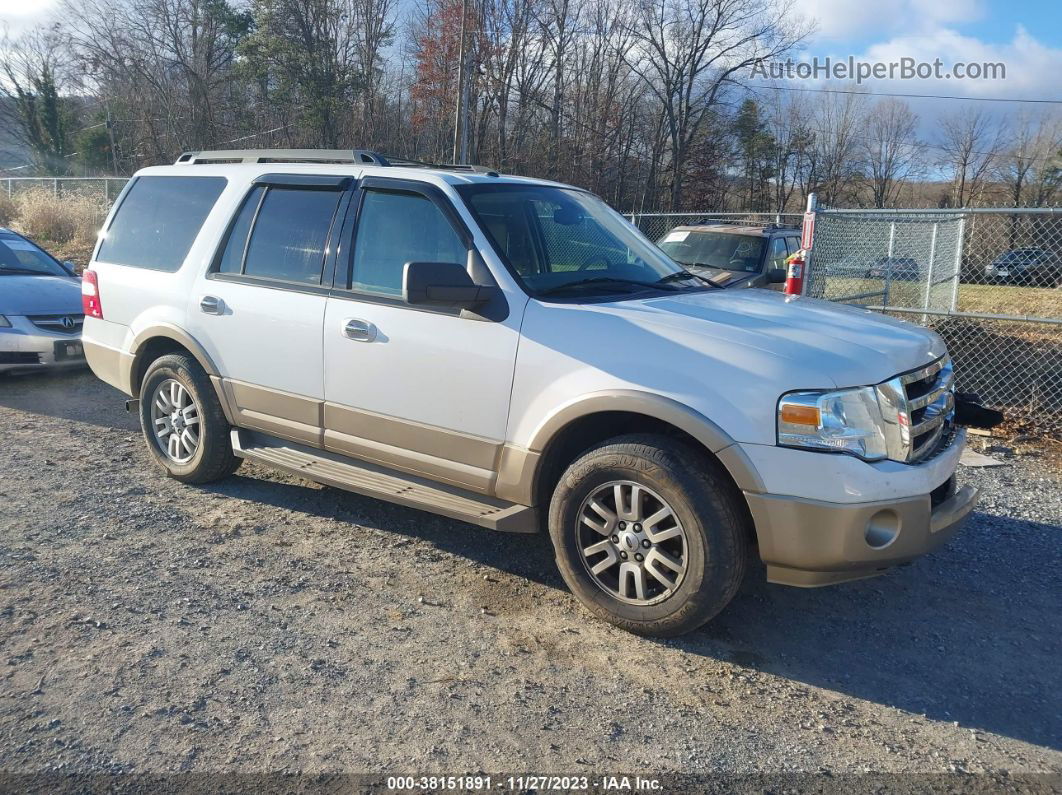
(266, 623)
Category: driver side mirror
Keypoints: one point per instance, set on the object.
(776, 275)
(443, 283)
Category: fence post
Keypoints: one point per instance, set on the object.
(959, 249)
(55, 186)
(929, 270)
(813, 207)
(888, 266)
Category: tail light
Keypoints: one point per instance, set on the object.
(90, 295)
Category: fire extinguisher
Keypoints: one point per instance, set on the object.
(794, 277)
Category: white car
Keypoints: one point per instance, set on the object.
(40, 308)
(513, 353)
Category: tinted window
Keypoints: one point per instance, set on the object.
(290, 234)
(396, 228)
(232, 258)
(778, 253)
(158, 221)
(794, 244)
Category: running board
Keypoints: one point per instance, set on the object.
(371, 480)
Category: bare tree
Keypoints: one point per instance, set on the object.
(1029, 168)
(840, 126)
(970, 141)
(689, 51)
(889, 149)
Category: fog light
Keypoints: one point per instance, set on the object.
(882, 529)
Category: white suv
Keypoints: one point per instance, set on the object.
(512, 353)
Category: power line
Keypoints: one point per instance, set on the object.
(912, 96)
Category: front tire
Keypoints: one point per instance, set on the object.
(649, 534)
(183, 422)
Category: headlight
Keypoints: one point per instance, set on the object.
(848, 420)
(4, 322)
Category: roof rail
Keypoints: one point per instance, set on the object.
(363, 156)
(285, 156)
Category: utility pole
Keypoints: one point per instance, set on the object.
(461, 119)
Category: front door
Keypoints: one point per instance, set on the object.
(260, 311)
(419, 389)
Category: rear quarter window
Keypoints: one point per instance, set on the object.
(158, 220)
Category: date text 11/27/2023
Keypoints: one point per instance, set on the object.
(524, 783)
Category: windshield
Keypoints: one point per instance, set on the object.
(559, 241)
(722, 250)
(18, 255)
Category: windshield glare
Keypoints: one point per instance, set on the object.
(554, 239)
(18, 255)
(722, 250)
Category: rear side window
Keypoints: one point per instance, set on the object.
(288, 238)
(158, 221)
(232, 259)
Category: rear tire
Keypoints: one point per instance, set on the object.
(606, 526)
(183, 422)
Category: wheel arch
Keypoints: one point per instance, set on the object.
(160, 340)
(576, 427)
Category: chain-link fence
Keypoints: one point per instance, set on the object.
(105, 188)
(94, 195)
(988, 281)
(655, 225)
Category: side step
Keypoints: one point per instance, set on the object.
(371, 480)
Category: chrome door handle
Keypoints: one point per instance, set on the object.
(359, 330)
(212, 305)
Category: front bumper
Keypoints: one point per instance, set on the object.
(25, 347)
(852, 519)
(808, 543)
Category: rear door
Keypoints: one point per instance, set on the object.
(260, 310)
(421, 389)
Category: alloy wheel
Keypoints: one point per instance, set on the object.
(632, 543)
(175, 421)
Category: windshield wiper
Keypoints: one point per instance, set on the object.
(21, 271)
(560, 288)
(679, 275)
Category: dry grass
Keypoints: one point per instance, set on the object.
(60, 220)
(994, 299)
(8, 210)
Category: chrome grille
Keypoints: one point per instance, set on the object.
(61, 324)
(930, 405)
(919, 408)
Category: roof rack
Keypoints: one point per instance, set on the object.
(285, 156)
(363, 156)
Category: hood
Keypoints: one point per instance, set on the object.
(39, 295)
(849, 345)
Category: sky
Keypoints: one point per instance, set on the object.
(1026, 35)
(18, 15)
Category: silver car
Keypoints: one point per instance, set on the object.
(40, 308)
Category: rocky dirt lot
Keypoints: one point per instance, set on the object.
(269, 624)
